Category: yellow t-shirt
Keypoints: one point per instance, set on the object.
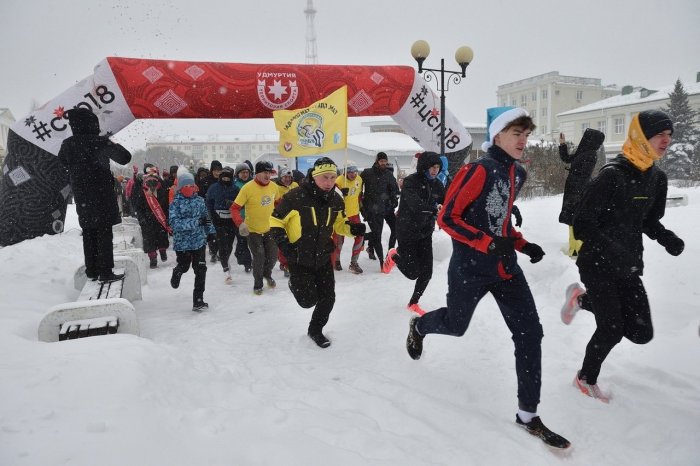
(282, 190)
(259, 201)
(352, 202)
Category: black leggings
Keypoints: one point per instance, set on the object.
(376, 225)
(415, 261)
(621, 309)
(314, 288)
(198, 260)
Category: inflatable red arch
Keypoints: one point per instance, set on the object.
(35, 187)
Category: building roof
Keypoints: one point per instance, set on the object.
(637, 97)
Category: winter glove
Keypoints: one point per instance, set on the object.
(357, 229)
(673, 244)
(204, 221)
(518, 218)
(534, 251)
(243, 229)
(345, 191)
(501, 246)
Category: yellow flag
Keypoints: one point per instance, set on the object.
(318, 128)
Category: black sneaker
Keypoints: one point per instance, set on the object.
(536, 428)
(370, 252)
(200, 306)
(320, 339)
(338, 267)
(154, 262)
(213, 258)
(110, 277)
(271, 282)
(414, 342)
(163, 255)
(175, 279)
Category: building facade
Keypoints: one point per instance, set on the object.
(547, 95)
(6, 121)
(613, 116)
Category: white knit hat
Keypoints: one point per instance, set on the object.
(496, 119)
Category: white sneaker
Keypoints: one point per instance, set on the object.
(573, 302)
(227, 278)
(593, 390)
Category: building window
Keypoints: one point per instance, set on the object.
(544, 94)
(505, 102)
(523, 100)
(579, 95)
(513, 102)
(221, 147)
(229, 147)
(585, 126)
(544, 112)
(619, 125)
(188, 147)
(603, 126)
(213, 148)
(544, 130)
(534, 96)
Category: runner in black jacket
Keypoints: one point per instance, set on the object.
(421, 199)
(379, 191)
(302, 225)
(626, 199)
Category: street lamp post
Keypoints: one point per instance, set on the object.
(464, 55)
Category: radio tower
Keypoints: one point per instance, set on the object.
(311, 54)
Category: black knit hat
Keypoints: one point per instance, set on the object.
(382, 156)
(215, 165)
(146, 166)
(654, 122)
(265, 166)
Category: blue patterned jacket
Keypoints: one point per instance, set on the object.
(185, 212)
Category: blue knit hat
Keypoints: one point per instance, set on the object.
(496, 119)
(184, 178)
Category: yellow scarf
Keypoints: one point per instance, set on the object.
(636, 147)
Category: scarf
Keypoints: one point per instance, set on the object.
(636, 148)
(158, 211)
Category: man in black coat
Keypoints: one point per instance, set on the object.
(211, 179)
(422, 196)
(86, 156)
(626, 199)
(582, 164)
(379, 193)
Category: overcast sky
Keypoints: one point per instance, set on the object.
(49, 45)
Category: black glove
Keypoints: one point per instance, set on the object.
(501, 246)
(357, 229)
(534, 251)
(345, 191)
(518, 218)
(673, 244)
(204, 221)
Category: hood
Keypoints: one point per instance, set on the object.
(427, 160)
(83, 121)
(215, 165)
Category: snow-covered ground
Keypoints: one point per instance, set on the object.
(242, 384)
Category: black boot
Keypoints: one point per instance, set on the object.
(175, 279)
(198, 302)
(154, 262)
(319, 338)
(110, 277)
(163, 255)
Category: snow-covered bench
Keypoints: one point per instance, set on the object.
(128, 233)
(129, 286)
(101, 308)
(676, 200)
(88, 318)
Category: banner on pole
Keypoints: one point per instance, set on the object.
(318, 128)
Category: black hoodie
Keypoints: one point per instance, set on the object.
(419, 199)
(86, 156)
(582, 164)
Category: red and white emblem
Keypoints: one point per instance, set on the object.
(277, 94)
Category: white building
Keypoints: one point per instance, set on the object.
(6, 121)
(613, 116)
(547, 95)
